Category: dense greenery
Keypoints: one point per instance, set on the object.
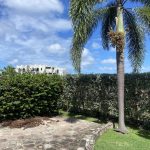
(28, 95)
(134, 18)
(96, 95)
(122, 25)
(134, 140)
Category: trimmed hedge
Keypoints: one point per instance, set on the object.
(23, 96)
(96, 95)
(26, 95)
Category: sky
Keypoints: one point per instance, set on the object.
(40, 32)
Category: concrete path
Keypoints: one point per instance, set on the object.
(61, 134)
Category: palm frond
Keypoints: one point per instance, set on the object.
(78, 9)
(134, 39)
(144, 16)
(108, 22)
(82, 33)
(85, 20)
(145, 2)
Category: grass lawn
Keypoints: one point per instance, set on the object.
(134, 140)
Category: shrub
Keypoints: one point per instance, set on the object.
(23, 96)
(97, 95)
(26, 95)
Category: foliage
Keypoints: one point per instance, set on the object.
(96, 95)
(27, 95)
(9, 71)
(85, 18)
(135, 40)
(134, 140)
(74, 116)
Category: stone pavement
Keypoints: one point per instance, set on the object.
(62, 134)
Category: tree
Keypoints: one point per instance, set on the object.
(9, 71)
(120, 27)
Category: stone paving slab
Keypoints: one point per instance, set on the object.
(64, 134)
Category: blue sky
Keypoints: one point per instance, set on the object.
(40, 32)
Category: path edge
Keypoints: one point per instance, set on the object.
(91, 139)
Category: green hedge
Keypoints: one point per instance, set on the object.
(97, 95)
(26, 95)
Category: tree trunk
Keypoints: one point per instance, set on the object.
(120, 84)
(120, 72)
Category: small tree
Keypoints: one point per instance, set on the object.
(9, 71)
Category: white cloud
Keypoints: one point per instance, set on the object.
(58, 24)
(25, 23)
(56, 48)
(105, 69)
(145, 69)
(30, 35)
(29, 38)
(112, 49)
(35, 6)
(96, 45)
(108, 61)
(87, 58)
(14, 61)
(29, 23)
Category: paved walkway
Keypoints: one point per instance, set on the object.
(61, 134)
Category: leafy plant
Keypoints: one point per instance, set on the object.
(26, 95)
(96, 95)
(117, 24)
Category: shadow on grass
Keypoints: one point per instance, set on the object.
(136, 125)
(145, 134)
(73, 118)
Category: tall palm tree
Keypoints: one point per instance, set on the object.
(120, 27)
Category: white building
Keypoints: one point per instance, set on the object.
(40, 69)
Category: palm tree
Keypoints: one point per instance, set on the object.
(120, 27)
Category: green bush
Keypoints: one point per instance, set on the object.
(97, 95)
(26, 95)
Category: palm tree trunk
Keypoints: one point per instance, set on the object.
(120, 72)
(120, 83)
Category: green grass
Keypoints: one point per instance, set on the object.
(134, 140)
